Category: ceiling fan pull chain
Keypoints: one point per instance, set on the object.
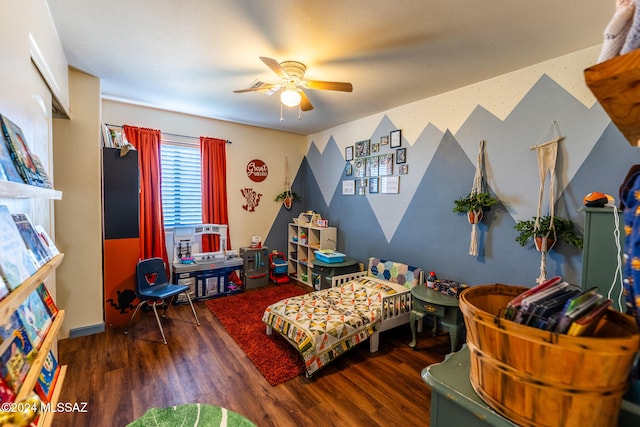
(281, 119)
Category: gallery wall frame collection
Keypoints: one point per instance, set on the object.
(372, 167)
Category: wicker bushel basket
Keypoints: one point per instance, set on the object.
(539, 378)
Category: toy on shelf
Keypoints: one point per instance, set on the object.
(278, 267)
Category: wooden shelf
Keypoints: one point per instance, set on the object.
(616, 85)
(17, 190)
(36, 366)
(18, 295)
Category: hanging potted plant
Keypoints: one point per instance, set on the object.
(474, 205)
(287, 198)
(563, 229)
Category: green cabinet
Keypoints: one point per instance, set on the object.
(600, 254)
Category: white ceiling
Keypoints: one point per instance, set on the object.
(189, 56)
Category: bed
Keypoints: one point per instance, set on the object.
(324, 324)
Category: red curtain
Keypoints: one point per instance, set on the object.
(147, 142)
(214, 189)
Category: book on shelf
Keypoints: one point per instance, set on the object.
(8, 168)
(16, 264)
(42, 172)
(32, 239)
(47, 240)
(47, 378)
(35, 317)
(4, 289)
(6, 393)
(113, 136)
(15, 329)
(21, 155)
(14, 364)
(47, 299)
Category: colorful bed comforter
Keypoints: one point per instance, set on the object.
(324, 324)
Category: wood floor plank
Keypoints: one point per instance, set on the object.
(122, 376)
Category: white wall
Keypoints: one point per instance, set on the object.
(79, 213)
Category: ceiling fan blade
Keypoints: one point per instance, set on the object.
(256, 88)
(305, 104)
(319, 84)
(275, 67)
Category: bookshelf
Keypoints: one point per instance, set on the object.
(303, 240)
(12, 301)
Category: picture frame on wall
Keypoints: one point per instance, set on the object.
(394, 136)
(384, 140)
(372, 165)
(360, 168)
(390, 184)
(348, 170)
(373, 185)
(403, 169)
(348, 153)
(385, 164)
(348, 187)
(375, 148)
(362, 148)
(401, 156)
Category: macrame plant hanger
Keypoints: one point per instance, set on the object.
(547, 153)
(288, 200)
(477, 188)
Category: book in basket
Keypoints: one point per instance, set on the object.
(16, 263)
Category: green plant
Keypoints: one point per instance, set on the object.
(564, 230)
(282, 196)
(474, 202)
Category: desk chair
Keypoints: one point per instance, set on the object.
(153, 287)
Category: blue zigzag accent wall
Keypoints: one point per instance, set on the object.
(417, 226)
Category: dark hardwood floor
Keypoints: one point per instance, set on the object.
(122, 376)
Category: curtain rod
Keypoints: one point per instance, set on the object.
(170, 134)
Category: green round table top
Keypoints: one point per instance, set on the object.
(192, 414)
(423, 293)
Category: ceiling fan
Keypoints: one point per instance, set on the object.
(292, 80)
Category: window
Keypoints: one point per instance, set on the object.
(181, 183)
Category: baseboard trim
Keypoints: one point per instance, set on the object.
(86, 330)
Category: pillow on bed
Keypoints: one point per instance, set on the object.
(396, 272)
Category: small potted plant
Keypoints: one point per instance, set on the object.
(287, 198)
(474, 205)
(564, 230)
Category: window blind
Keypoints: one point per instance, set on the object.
(181, 183)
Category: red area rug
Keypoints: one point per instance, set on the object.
(241, 315)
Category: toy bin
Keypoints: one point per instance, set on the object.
(329, 256)
(542, 378)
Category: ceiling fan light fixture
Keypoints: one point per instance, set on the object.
(291, 97)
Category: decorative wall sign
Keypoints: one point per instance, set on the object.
(257, 170)
(252, 199)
